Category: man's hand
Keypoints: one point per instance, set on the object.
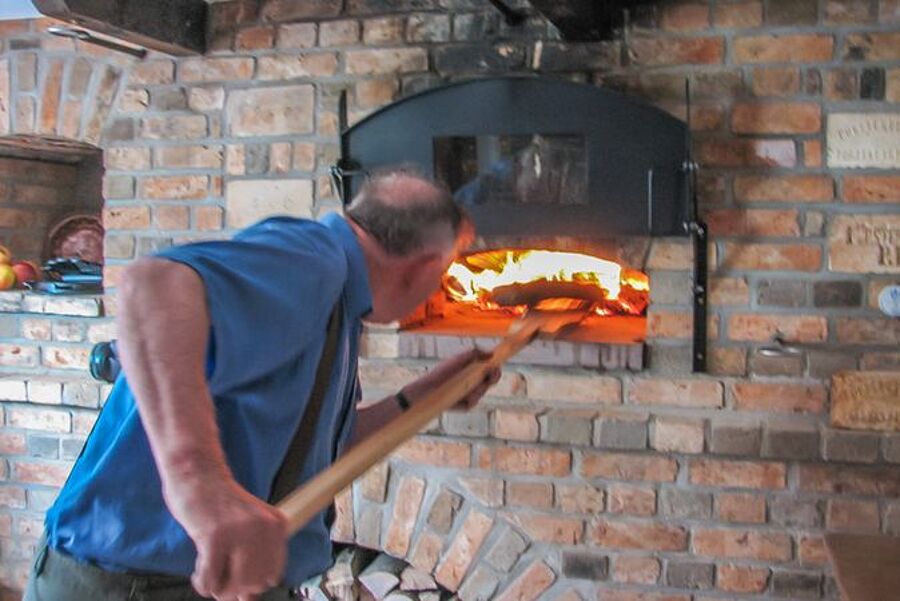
(445, 370)
(241, 541)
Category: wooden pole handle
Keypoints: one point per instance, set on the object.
(309, 499)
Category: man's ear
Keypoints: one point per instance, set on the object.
(415, 264)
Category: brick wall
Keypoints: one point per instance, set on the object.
(567, 483)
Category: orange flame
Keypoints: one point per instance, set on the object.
(479, 279)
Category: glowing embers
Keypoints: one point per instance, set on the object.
(509, 281)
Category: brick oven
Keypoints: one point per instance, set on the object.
(578, 478)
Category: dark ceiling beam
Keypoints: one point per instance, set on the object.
(586, 20)
(175, 27)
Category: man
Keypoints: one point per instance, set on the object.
(220, 343)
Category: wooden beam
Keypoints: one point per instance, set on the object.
(176, 27)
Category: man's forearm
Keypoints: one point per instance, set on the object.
(163, 332)
(371, 418)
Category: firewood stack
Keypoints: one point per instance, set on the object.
(363, 575)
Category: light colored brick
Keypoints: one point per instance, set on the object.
(573, 387)
(632, 569)
(777, 397)
(322, 64)
(744, 544)
(45, 420)
(463, 550)
(580, 499)
(681, 393)
(741, 579)
(215, 69)
(376, 62)
(284, 109)
(410, 492)
(620, 466)
(676, 435)
(526, 461)
(515, 424)
(632, 500)
(45, 392)
(435, 453)
(554, 529)
(40, 473)
(248, 201)
(530, 585)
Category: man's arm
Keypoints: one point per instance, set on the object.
(163, 330)
(375, 416)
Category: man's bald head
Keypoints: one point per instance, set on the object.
(406, 212)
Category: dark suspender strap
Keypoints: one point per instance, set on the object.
(289, 472)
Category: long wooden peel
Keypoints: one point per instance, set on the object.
(301, 505)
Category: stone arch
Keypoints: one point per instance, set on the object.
(57, 87)
(454, 530)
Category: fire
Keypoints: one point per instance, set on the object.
(512, 280)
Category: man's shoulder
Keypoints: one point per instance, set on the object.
(294, 234)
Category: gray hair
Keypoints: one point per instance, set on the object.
(406, 211)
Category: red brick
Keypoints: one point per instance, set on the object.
(776, 81)
(405, 512)
(776, 118)
(762, 328)
(297, 35)
(670, 255)
(857, 480)
(789, 188)
(677, 51)
(636, 569)
(83, 422)
(604, 594)
(215, 69)
(744, 544)
(862, 330)
(487, 491)
(682, 393)
(781, 398)
(685, 17)
(747, 153)
(51, 97)
(178, 187)
(677, 324)
(526, 460)
(279, 67)
(873, 46)
(811, 551)
(153, 72)
(208, 218)
(741, 579)
(12, 496)
(846, 514)
(254, 38)
(847, 12)
(799, 48)
(529, 494)
(548, 528)
(872, 188)
(339, 33)
(342, 529)
(171, 218)
(375, 92)
(621, 466)
(580, 499)
(463, 550)
(729, 291)
(778, 257)
(189, 157)
(530, 585)
(652, 536)
(812, 153)
(739, 15)
(127, 158)
(631, 500)
(740, 474)
(515, 425)
(436, 453)
(426, 551)
(752, 222)
(40, 473)
(389, 61)
(744, 508)
(279, 11)
(12, 443)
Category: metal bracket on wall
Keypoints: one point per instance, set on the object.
(699, 234)
(345, 168)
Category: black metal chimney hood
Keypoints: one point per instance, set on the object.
(632, 173)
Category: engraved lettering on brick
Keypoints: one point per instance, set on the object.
(887, 238)
(865, 244)
(866, 401)
(864, 140)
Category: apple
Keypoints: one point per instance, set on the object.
(26, 271)
(5, 255)
(7, 276)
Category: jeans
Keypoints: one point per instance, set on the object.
(56, 576)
